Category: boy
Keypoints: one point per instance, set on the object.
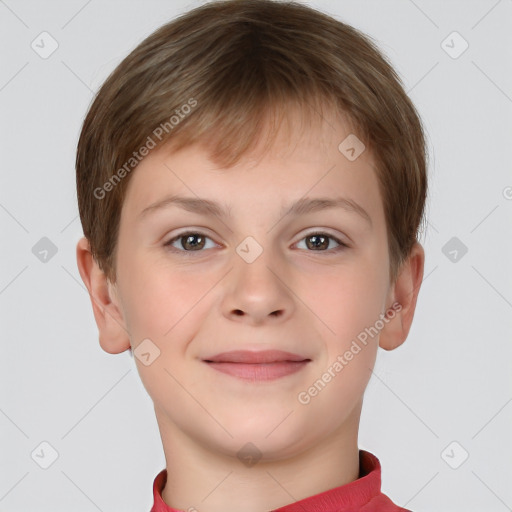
(251, 180)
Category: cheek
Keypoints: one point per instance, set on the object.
(347, 300)
(150, 298)
(164, 307)
(163, 303)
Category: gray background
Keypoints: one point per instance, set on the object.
(451, 380)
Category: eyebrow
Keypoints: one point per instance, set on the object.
(300, 207)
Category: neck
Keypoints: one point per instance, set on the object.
(200, 477)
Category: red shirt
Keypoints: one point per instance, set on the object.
(361, 495)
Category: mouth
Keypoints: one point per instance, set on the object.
(257, 366)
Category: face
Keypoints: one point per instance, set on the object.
(255, 276)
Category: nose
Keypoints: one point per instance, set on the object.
(258, 292)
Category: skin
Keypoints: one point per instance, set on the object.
(293, 297)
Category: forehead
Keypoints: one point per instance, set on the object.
(306, 157)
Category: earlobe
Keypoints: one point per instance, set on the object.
(113, 335)
(404, 292)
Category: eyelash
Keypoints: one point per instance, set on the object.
(168, 245)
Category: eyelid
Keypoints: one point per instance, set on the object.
(181, 234)
(342, 244)
(344, 239)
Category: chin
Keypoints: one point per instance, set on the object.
(270, 438)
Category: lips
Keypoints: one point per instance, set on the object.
(257, 366)
(249, 357)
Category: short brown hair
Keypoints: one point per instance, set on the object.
(234, 64)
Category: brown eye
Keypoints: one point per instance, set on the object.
(319, 242)
(193, 242)
(187, 242)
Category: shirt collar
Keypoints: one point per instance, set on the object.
(339, 499)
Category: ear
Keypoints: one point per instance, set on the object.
(404, 291)
(113, 334)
